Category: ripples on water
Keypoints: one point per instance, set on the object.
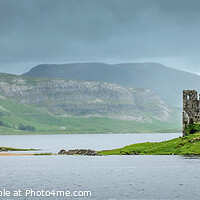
(108, 177)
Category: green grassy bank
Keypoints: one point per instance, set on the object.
(188, 145)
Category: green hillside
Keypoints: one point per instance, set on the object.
(13, 114)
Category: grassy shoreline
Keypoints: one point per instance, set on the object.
(6, 149)
(188, 145)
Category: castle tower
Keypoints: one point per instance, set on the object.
(190, 108)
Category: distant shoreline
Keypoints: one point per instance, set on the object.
(71, 133)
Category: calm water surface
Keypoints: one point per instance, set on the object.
(108, 177)
(54, 143)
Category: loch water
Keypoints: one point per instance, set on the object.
(107, 177)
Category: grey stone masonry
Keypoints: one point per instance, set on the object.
(191, 110)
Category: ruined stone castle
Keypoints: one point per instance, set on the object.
(191, 108)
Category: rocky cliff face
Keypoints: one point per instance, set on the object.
(154, 76)
(66, 98)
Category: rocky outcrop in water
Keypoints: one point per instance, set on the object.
(85, 152)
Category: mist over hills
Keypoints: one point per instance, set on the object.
(164, 81)
(82, 106)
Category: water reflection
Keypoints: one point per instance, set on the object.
(191, 156)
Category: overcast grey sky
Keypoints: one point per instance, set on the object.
(62, 31)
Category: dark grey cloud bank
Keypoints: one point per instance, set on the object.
(62, 31)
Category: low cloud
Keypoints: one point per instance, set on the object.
(50, 31)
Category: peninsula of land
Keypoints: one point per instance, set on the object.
(187, 145)
(8, 151)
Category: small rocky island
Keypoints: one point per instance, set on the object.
(86, 152)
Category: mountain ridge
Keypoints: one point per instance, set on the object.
(166, 82)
